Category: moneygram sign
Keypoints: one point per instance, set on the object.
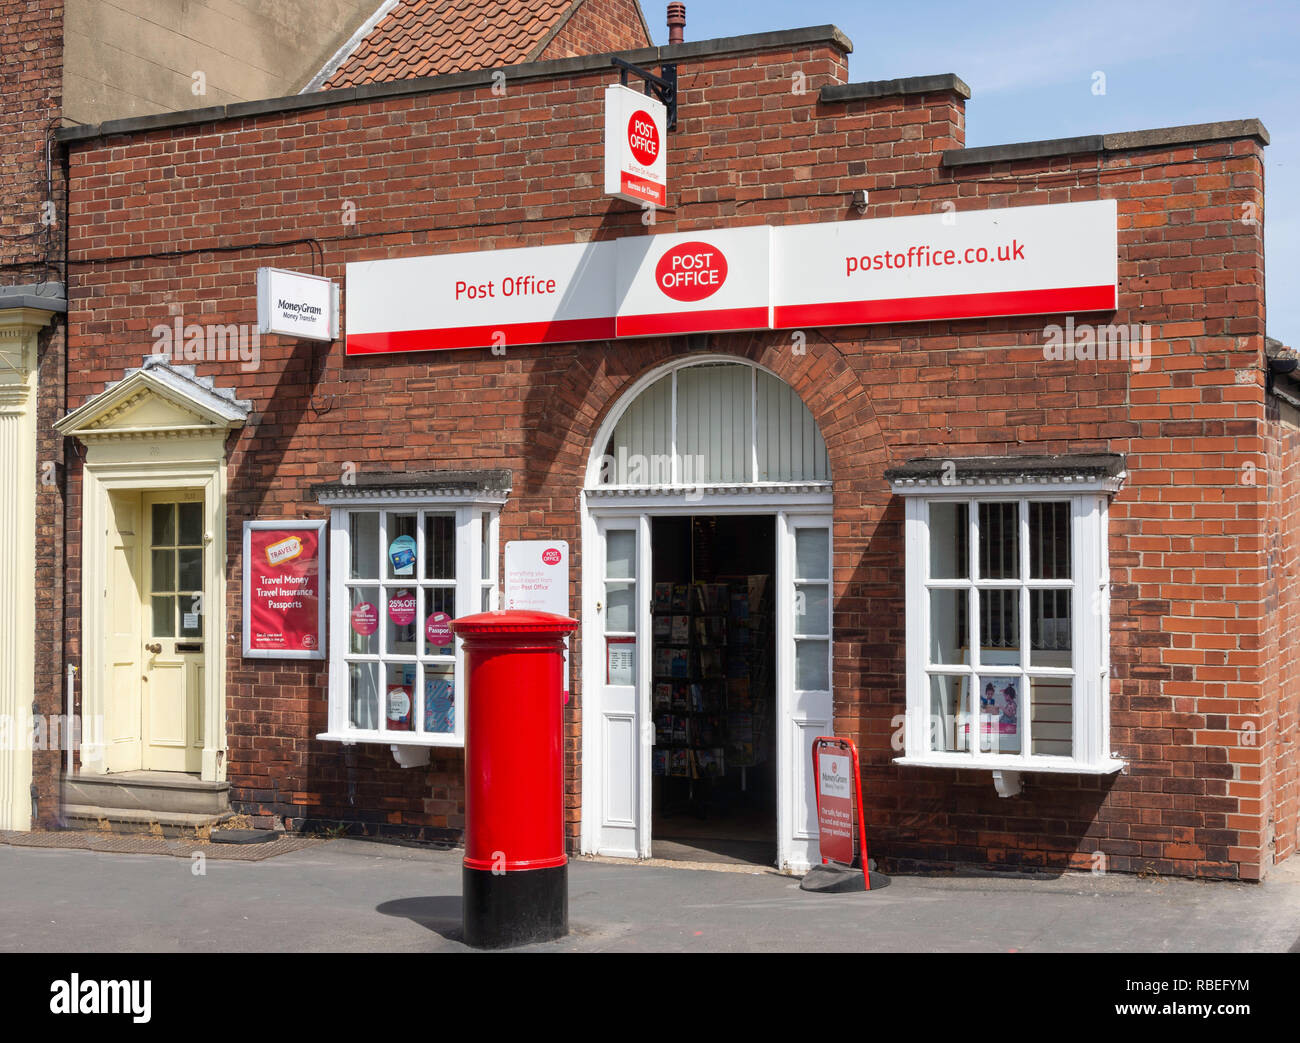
(636, 146)
(1036, 260)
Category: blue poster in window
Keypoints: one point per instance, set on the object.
(401, 552)
(439, 705)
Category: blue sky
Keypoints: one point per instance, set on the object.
(1030, 67)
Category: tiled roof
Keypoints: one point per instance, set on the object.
(433, 37)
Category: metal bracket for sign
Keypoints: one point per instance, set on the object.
(663, 86)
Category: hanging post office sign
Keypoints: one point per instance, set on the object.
(636, 146)
(294, 304)
(284, 589)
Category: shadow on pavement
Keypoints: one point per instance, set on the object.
(440, 914)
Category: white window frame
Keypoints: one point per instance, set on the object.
(1090, 612)
(472, 589)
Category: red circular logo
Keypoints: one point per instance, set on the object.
(691, 271)
(551, 556)
(643, 137)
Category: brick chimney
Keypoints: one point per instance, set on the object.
(676, 23)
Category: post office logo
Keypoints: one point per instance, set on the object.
(643, 137)
(691, 271)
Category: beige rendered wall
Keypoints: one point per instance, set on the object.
(136, 57)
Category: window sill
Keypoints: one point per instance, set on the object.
(393, 738)
(1055, 766)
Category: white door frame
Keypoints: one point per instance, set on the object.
(785, 506)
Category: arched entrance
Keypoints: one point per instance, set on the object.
(706, 615)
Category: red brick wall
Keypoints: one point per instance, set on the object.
(598, 27)
(1281, 681)
(31, 87)
(461, 169)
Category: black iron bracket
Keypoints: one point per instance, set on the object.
(663, 86)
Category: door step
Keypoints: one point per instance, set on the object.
(123, 820)
(147, 793)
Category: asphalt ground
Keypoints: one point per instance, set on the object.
(358, 896)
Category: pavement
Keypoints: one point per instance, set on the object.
(358, 896)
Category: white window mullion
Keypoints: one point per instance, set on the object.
(916, 565)
(971, 709)
(674, 462)
(1026, 712)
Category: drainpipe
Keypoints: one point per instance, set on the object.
(71, 710)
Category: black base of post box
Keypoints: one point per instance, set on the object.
(515, 908)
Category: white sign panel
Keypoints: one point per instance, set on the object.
(1028, 260)
(537, 580)
(485, 299)
(695, 282)
(636, 146)
(835, 779)
(293, 304)
(1034, 260)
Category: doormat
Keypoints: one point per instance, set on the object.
(145, 844)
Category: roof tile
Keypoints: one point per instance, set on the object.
(424, 37)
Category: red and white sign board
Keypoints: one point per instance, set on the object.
(284, 589)
(1028, 260)
(636, 146)
(537, 579)
(1034, 260)
(484, 299)
(835, 805)
(842, 833)
(695, 282)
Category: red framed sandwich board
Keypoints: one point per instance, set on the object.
(842, 835)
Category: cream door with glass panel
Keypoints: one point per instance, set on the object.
(175, 628)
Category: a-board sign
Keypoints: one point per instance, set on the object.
(837, 783)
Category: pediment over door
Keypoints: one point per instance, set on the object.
(157, 400)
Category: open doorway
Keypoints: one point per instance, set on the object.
(713, 699)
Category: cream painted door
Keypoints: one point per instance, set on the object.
(122, 634)
(173, 631)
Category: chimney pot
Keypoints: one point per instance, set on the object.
(676, 23)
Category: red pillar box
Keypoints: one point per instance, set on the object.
(516, 886)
